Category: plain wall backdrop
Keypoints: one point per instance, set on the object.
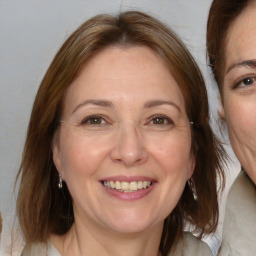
(32, 31)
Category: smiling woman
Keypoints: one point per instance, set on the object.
(137, 135)
(119, 157)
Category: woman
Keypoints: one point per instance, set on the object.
(119, 156)
(231, 49)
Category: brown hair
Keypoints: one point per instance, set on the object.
(0, 225)
(221, 15)
(41, 207)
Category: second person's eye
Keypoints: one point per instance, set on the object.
(245, 82)
(248, 81)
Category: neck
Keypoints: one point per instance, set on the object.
(90, 240)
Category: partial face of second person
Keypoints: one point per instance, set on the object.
(124, 148)
(239, 88)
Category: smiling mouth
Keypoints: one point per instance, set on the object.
(127, 187)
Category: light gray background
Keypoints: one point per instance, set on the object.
(31, 33)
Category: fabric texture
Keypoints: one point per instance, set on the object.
(13, 245)
(189, 246)
(239, 229)
(40, 250)
(11, 240)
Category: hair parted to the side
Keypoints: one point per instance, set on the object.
(222, 14)
(42, 208)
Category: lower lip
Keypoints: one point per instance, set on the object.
(129, 196)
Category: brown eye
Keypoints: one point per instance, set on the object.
(93, 120)
(161, 120)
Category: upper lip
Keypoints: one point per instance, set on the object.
(128, 178)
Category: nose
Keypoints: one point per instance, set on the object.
(128, 147)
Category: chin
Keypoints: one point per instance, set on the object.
(130, 228)
(132, 223)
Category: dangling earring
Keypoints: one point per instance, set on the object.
(60, 182)
(192, 186)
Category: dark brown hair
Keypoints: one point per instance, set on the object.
(41, 207)
(221, 15)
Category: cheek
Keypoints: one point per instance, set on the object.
(177, 167)
(241, 117)
(174, 154)
(79, 156)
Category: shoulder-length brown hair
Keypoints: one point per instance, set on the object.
(222, 14)
(43, 209)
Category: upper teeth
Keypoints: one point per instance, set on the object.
(127, 186)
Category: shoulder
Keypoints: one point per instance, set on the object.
(11, 241)
(239, 228)
(242, 189)
(40, 249)
(241, 206)
(191, 246)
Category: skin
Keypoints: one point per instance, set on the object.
(127, 140)
(239, 89)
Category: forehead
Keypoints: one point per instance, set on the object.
(134, 73)
(241, 37)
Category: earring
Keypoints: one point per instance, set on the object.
(60, 182)
(192, 186)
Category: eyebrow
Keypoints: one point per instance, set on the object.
(244, 63)
(155, 103)
(107, 103)
(101, 103)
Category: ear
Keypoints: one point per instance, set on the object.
(192, 165)
(56, 155)
(193, 156)
(221, 111)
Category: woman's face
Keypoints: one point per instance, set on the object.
(239, 88)
(123, 148)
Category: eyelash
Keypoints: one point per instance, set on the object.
(164, 118)
(161, 119)
(86, 121)
(252, 79)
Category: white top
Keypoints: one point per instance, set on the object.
(239, 229)
(40, 250)
(11, 240)
(189, 246)
(12, 244)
